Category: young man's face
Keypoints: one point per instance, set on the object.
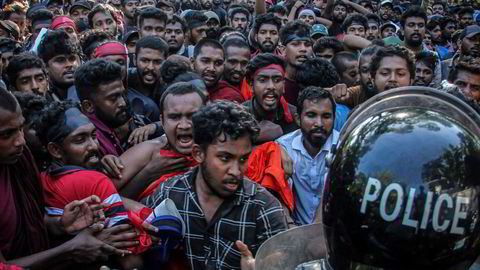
(450, 28)
(423, 74)
(388, 31)
(174, 36)
(351, 75)
(316, 121)
(223, 164)
(80, 148)
(235, 64)
(198, 33)
(20, 19)
(71, 32)
(149, 62)
(148, 3)
(177, 120)
(438, 10)
(239, 22)
(110, 103)
(152, 27)
(373, 31)
(436, 34)
(308, 19)
(326, 54)
(267, 38)
(12, 140)
(298, 52)
(466, 19)
(79, 13)
(209, 64)
(356, 29)
(414, 31)
(61, 69)
(268, 88)
(339, 13)
(105, 22)
(392, 73)
(206, 4)
(469, 83)
(283, 18)
(386, 12)
(130, 7)
(364, 68)
(56, 8)
(471, 45)
(32, 80)
(37, 27)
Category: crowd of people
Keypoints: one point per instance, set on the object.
(228, 108)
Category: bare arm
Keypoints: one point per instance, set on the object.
(260, 7)
(357, 7)
(324, 21)
(355, 42)
(294, 9)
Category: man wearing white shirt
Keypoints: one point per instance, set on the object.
(308, 147)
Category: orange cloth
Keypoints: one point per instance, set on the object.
(264, 166)
(167, 153)
(246, 90)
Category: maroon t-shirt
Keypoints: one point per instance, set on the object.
(8, 222)
(225, 91)
(291, 91)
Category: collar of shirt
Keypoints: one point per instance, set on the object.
(297, 143)
(181, 50)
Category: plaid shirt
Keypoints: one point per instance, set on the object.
(252, 215)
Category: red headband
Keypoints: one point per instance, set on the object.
(271, 66)
(111, 48)
(61, 21)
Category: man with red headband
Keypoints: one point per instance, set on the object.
(276, 117)
(67, 24)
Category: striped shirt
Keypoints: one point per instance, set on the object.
(251, 215)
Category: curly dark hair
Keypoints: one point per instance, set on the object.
(391, 51)
(413, 11)
(171, 69)
(31, 105)
(317, 72)
(223, 117)
(328, 43)
(314, 93)
(21, 62)
(428, 58)
(465, 63)
(90, 40)
(260, 61)
(268, 18)
(296, 27)
(49, 117)
(55, 43)
(355, 19)
(94, 73)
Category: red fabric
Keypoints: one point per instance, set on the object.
(4, 266)
(265, 167)
(271, 66)
(62, 21)
(246, 90)
(111, 48)
(225, 91)
(173, 154)
(30, 234)
(286, 111)
(8, 222)
(137, 219)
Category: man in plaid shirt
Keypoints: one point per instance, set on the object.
(219, 205)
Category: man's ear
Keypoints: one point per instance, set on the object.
(198, 154)
(87, 106)
(55, 150)
(297, 119)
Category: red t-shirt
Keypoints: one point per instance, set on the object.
(70, 184)
(225, 91)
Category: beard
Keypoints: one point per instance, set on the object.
(312, 139)
(116, 121)
(208, 178)
(369, 89)
(414, 43)
(267, 47)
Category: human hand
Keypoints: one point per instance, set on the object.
(287, 163)
(339, 91)
(141, 134)
(119, 236)
(298, 4)
(80, 214)
(247, 262)
(160, 165)
(112, 166)
(86, 248)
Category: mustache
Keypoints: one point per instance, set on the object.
(92, 154)
(318, 130)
